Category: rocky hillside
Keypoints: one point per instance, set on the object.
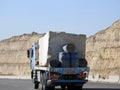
(13, 53)
(103, 51)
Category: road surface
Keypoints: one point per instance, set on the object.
(6, 84)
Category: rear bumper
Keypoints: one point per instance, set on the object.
(66, 82)
(70, 81)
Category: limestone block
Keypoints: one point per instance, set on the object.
(52, 43)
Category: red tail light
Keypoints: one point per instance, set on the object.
(54, 75)
(36, 62)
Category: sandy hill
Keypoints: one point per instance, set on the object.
(103, 51)
(13, 53)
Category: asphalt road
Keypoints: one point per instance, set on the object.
(27, 85)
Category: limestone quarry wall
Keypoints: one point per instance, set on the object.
(103, 51)
(13, 54)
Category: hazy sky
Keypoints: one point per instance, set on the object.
(73, 16)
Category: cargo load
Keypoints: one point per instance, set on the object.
(52, 43)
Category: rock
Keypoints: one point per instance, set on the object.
(103, 51)
(13, 53)
(55, 63)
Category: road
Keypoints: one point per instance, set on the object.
(27, 85)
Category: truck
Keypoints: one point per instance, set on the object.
(58, 59)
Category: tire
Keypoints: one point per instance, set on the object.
(44, 83)
(32, 74)
(50, 88)
(41, 85)
(45, 87)
(83, 62)
(78, 88)
(70, 87)
(36, 85)
(63, 87)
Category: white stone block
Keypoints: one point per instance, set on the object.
(52, 43)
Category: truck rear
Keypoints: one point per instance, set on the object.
(58, 59)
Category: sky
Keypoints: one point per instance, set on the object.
(19, 17)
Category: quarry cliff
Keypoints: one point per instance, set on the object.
(103, 51)
(13, 55)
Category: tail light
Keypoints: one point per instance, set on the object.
(36, 62)
(54, 75)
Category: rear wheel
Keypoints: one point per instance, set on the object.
(44, 83)
(36, 85)
(78, 87)
(42, 87)
(40, 81)
(52, 88)
(71, 87)
(63, 87)
(32, 74)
